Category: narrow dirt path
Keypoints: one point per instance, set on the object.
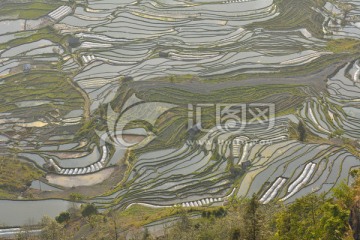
(84, 95)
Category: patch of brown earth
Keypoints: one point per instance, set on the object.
(80, 180)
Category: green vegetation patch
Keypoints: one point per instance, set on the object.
(343, 45)
(29, 10)
(40, 85)
(245, 94)
(171, 127)
(33, 36)
(16, 176)
(138, 215)
(296, 14)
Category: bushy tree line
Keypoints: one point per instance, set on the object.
(317, 217)
(310, 217)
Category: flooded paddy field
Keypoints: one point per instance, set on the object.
(341, 19)
(30, 211)
(103, 90)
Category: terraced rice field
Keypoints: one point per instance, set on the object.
(342, 19)
(337, 111)
(293, 169)
(89, 87)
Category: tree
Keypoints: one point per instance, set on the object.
(334, 221)
(344, 195)
(236, 171)
(76, 197)
(74, 207)
(300, 219)
(236, 234)
(63, 217)
(252, 219)
(113, 218)
(312, 217)
(88, 210)
(74, 42)
(51, 229)
(146, 234)
(95, 220)
(302, 131)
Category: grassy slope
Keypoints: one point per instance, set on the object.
(295, 14)
(30, 10)
(45, 86)
(343, 45)
(44, 33)
(171, 126)
(15, 176)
